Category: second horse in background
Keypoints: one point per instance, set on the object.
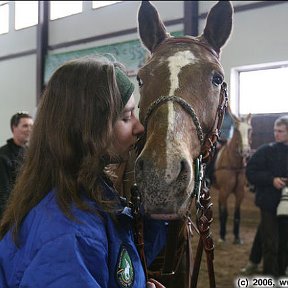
(229, 173)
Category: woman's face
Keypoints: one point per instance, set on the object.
(125, 130)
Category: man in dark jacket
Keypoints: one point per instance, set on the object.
(268, 170)
(11, 154)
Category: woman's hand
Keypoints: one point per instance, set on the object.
(152, 283)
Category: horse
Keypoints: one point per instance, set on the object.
(229, 173)
(182, 102)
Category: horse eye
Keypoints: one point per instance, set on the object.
(217, 79)
(140, 82)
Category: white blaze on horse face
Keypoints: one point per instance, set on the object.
(175, 63)
(244, 131)
(170, 128)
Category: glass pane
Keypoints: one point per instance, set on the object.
(4, 18)
(97, 4)
(26, 14)
(59, 9)
(264, 91)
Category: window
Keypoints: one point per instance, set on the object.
(260, 90)
(26, 14)
(4, 17)
(60, 9)
(98, 4)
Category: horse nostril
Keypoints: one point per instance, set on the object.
(184, 169)
(182, 166)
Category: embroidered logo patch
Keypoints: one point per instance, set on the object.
(125, 269)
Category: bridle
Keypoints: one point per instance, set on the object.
(208, 143)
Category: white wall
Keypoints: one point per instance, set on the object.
(259, 36)
(17, 41)
(116, 17)
(17, 91)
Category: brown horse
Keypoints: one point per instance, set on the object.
(181, 106)
(229, 173)
(180, 88)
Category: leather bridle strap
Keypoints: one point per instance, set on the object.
(138, 226)
(204, 219)
(211, 139)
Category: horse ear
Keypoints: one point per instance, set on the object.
(249, 118)
(219, 25)
(150, 27)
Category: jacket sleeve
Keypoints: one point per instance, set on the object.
(258, 170)
(155, 234)
(69, 261)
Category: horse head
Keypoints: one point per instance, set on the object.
(243, 128)
(181, 89)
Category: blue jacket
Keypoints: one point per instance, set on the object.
(93, 251)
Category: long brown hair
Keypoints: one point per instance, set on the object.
(71, 134)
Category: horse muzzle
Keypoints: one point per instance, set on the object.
(165, 185)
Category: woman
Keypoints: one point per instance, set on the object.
(65, 225)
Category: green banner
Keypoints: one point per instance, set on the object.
(131, 53)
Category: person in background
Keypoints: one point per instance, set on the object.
(282, 214)
(255, 255)
(267, 169)
(65, 225)
(11, 154)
